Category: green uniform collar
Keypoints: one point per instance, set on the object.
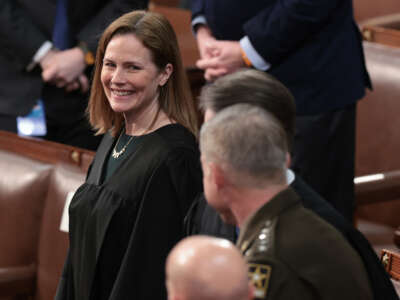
(273, 208)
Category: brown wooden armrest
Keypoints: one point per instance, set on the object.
(17, 280)
(377, 187)
(46, 151)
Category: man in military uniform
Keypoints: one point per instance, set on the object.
(290, 251)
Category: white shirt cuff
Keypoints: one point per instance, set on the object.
(256, 60)
(198, 20)
(290, 176)
(42, 51)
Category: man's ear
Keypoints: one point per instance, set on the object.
(165, 74)
(174, 297)
(218, 175)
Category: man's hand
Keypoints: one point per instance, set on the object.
(82, 83)
(228, 59)
(63, 67)
(46, 60)
(205, 41)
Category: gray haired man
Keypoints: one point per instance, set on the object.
(289, 249)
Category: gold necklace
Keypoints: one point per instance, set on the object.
(115, 154)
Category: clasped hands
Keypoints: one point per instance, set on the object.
(65, 69)
(217, 58)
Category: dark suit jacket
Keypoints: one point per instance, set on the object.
(24, 26)
(203, 219)
(314, 47)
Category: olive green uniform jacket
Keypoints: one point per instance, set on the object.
(294, 254)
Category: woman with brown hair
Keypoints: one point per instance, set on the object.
(129, 213)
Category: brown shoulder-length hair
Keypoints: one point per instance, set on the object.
(157, 35)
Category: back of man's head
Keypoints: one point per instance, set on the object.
(248, 143)
(206, 268)
(250, 86)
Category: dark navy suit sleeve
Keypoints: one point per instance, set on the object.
(18, 33)
(281, 27)
(197, 7)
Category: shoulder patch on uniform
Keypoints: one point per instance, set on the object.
(260, 275)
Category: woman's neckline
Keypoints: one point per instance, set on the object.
(151, 132)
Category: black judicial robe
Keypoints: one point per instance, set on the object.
(121, 230)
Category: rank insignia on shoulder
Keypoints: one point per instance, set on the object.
(260, 275)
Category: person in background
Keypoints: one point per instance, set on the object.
(291, 252)
(263, 90)
(129, 213)
(314, 48)
(47, 52)
(252, 87)
(207, 268)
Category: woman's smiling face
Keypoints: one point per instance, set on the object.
(129, 77)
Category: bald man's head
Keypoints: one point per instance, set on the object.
(205, 268)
